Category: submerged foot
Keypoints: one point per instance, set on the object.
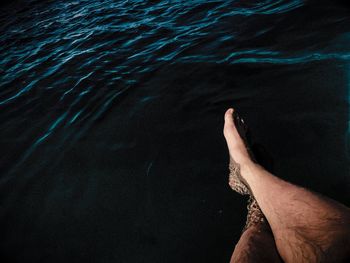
(236, 146)
(239, 152)
(240, 156)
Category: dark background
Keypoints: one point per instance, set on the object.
(112, 115)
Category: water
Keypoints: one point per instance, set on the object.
(112, 111)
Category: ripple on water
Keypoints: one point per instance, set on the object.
(69, 61)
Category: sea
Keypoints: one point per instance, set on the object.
(111, 121)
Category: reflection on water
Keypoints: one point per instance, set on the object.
(109, 81)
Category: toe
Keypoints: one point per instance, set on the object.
(229, 123)
(229, 127)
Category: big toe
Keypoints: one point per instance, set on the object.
(230, 131)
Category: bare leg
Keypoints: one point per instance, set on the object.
(256, 243)
(307, 227)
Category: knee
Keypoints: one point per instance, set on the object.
(313, 244)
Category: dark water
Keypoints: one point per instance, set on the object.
(112, 112)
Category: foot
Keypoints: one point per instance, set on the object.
(240, 159)
(235, 132)
(239, 155)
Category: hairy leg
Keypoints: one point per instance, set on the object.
(256, 244)
(307, 227)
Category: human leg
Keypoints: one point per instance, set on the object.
(307, 227)
(256, 243)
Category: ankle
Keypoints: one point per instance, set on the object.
(247, 168)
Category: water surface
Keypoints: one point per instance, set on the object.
(112, 112)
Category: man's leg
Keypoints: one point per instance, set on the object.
(256, 244)
(307, 227)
